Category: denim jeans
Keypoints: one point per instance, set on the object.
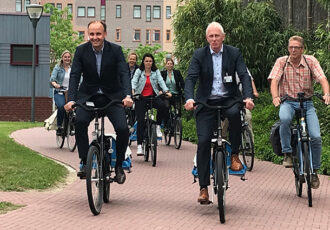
(287, 112)
(60, 102)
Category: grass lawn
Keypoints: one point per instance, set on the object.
(6, 207)
(23, 169)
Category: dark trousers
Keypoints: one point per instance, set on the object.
(116, 115)
(206, 123)
(140, 111)
(168, 103)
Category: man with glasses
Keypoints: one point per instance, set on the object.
(290, 75)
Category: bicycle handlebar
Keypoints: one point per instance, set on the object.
(217, 107)
(139, 96)
(301, 97)
(94, 109)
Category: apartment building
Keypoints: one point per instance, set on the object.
(130, 22)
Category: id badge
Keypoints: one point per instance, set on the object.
(228, 79)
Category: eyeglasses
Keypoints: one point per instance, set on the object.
(295, 47)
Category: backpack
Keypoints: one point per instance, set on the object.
(275, 138)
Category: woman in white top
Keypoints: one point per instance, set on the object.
(60, 80)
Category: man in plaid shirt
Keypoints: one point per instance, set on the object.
(290, 75)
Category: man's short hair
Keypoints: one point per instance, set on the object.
(98, 21)
(216, 25)
(298, 39)
(132, 54)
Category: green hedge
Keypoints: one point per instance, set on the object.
(264, 116)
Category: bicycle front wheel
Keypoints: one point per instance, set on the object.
(178, 132)
(220, 177)
(247, 148)
(94, 180)
(308, 173)
(153, 144)
(70, 136)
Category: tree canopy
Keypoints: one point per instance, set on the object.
(62, 35)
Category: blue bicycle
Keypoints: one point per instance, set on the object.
(101, 159)
(301, 146)
(220, 161)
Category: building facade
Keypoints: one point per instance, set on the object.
(130, 22)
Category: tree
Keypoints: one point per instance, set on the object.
(141, 50)
(62, 36)
(256, 29)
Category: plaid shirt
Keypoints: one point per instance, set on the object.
(294, 80)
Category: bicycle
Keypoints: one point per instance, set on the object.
(100, 159)
(247, 144)
(150, 134)
(301, 146)
(174, 125)
(68, 128)
(221, 160)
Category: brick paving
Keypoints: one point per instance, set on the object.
(164, 197)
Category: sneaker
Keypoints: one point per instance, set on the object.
(159, 132)
(82, 171)
(139, 150)
(287, 161)
(315, 181)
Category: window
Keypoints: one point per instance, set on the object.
(156, 36)
(148, 14)
(22, 54)
(26, 3)
(91, 12)
(81, 34)
(102, 13)
(118, 11)
(168, 12)
(148, 37)
(59, 6)
(118, 35)
(70, 8)
(137, 12)
(156, 13)
(137, 35)
(168, 35)
(18, 5)
(81, 12)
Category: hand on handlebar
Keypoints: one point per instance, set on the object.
(249, 103)
(68, 106)
(128, 102)
(190, 105)
(276, 101)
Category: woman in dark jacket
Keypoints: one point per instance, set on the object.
(174, 82)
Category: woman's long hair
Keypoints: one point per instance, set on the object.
(60, 63)
(153, 66)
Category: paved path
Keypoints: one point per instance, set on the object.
(164, 197)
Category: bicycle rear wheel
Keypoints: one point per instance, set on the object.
(295, 169)
(177, 132)
(307, 171)
(71, 138)
(94, 180)
(145, 150)
(220, 177)
(247, 148)
(60, 140)
(153, 144)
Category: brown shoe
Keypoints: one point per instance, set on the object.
(203, 196)
(236, 164)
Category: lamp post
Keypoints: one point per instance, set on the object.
(34, 12)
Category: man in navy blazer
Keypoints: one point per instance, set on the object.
(105, 74)
(214, 66)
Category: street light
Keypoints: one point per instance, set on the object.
(34, 12)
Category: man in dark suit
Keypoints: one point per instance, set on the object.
(215, 66)
(105, 74)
